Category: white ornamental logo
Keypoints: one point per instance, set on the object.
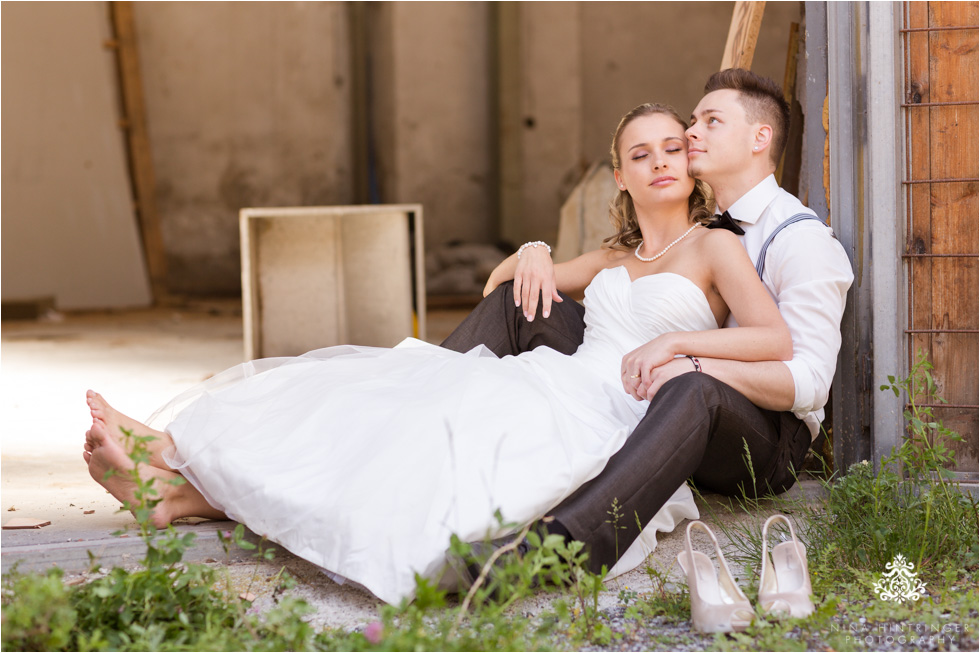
(900, 583)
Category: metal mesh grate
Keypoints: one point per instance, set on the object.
(940, 187)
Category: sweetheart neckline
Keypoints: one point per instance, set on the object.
(701, 293)
(656, 274)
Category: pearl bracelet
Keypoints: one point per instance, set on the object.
(535, 243)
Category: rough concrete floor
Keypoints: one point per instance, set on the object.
(139, 359)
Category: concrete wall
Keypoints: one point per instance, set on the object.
(583, 65)
(635, 52)
(69, 230)
(544, 118)
(432, 113)
(248, 105)
(486, 113)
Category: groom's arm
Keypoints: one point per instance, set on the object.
(767, 384)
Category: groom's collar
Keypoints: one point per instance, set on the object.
(749, 207)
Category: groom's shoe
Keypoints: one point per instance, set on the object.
(481, 552)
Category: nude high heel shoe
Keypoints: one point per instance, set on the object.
(784, 583)
(718, 605)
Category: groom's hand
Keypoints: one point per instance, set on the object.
(535, 274)
(663, 373)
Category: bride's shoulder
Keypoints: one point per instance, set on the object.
(718, 239)
(605, 257)
(720, 248)
(613, 257)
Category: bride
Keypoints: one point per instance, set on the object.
(365, 460)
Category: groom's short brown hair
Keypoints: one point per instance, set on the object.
(762, 100)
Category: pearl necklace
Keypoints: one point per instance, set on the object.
(664, 250)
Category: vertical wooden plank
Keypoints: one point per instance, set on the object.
(954, 290)
(955, 210)
(952, 14)
(953, 144)
(953, 73)
(140, 160)
(418, 261)
(250, 290)
(743, 33)
(942, 144)
(919, 234)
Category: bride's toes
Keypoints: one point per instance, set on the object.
(98, 405)
(91, 438)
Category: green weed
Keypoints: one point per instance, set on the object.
(908, 506)
(167, 604)
(164, 604)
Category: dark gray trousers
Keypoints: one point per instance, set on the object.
(503, 329)
(696, 427)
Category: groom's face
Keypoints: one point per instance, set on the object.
(720, 138)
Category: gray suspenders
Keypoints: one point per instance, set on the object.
(760, 264)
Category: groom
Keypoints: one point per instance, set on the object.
(733, 426)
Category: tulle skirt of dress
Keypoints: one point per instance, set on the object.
(365, 460)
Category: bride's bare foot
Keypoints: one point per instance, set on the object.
(104, 454)
(115, 422)
(110, 466)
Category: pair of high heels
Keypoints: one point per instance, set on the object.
(718, 604)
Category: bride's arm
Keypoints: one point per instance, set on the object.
(535, 273)
(762, 334)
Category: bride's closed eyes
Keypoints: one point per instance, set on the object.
(673, 150)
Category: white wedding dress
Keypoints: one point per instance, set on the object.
(364, 460)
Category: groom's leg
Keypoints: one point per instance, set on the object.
(503, 329)
(695, 426)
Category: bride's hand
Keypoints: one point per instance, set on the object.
(638, 365)
(535, 274)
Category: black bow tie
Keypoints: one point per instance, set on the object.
(724, 221)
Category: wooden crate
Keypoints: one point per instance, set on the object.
(315, 277)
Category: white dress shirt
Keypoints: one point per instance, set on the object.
(807, 272)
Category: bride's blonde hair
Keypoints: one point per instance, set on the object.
(622, 213)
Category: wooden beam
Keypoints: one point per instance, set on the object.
(137, 138)
(788, 172)
(743, 33)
